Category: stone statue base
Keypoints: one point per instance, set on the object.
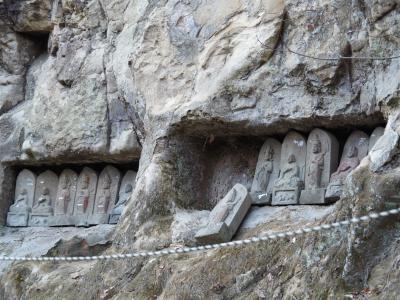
(81, 221)
(114, 218)
(316, 196)
(96, 219)
(287, 196)
(40, 219)
(17, 219)
(216, 233)
(333, 192)
(62, 220)
(261, 199)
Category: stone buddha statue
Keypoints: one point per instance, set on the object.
(264, 174)
(43, 204)
(225, 209)
(123, 200)
(290, 175)
(21, 203)
(348, 163)
(83, 197)
(65, 198)
(105, 196)
(315, 165)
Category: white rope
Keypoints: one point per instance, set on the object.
(169, 251)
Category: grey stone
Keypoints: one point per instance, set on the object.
(106, 195)
(288, 186)
(355, 149)
(322, 160)
(267, 171)
(226, 217)
(375, 136)
(45, 195)
(125, 192)
(85, 196)
(64, 203)
(24, 194)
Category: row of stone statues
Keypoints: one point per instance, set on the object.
(298, 171)
(87, 199)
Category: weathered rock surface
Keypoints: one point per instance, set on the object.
(192, 89)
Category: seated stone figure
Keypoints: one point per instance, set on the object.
(21, 203)
(289, 184)
(123, 200)
(44, 203)
(290, 175)
(349, 163)
(105, 197)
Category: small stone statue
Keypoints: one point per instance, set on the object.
(349, 163)
(316, 165)
(64, 198)
(21, 203)
(289, 176)
(123, 200)
(83, 196)
(104, 197)
(263, 175)
(288, 186)
(43, 204)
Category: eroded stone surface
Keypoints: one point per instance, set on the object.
(375, 136)
(322, 161)
(267, 171)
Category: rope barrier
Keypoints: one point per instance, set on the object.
(170, 251)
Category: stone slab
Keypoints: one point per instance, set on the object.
(316, 196)
(39, 220)
(125, 192)
(226, 216)
(17, 219)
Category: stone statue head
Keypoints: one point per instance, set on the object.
(128, 188)
(106, 182)
(291, 158)
(316, 145)
(45, 191)
(353, 151)
(270, 153)
(85, 181)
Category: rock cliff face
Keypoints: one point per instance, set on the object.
(189, 90)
